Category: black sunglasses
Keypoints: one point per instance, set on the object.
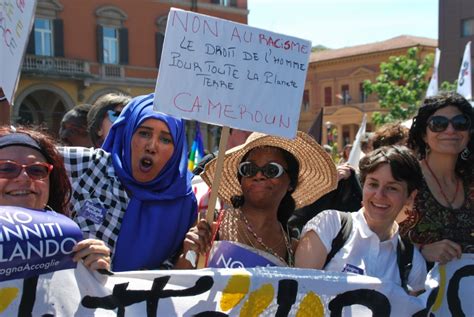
(36, 171)
(460, 122)
(270, 170)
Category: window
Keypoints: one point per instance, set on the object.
(43, 37)
(305, 101)
(226, 3)
(467, 27)
(327, 96)
(112, 37)
(362, 93)
(346, 97)
(46, 36)
(111, 52)
(160, 37)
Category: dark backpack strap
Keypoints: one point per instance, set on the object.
(342, 236)
(405, 251)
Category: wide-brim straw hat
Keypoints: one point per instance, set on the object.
(317, 172)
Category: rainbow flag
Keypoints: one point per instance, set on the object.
(197, 149)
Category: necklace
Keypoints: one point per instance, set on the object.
(450, 202)
(267, 248)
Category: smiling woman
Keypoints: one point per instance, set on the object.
(32, 176)
(135, 194)
(442, 220)
(390, 178)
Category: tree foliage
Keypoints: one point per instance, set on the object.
(401, 85)
(447, 86)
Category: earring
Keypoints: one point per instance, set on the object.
(465, 154)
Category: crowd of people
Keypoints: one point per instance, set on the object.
(121, 174)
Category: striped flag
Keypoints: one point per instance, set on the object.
(197, 150)
(464, 79)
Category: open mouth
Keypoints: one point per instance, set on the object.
(146, 165)
(380, 206)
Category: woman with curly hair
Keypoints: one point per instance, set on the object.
(442, 219)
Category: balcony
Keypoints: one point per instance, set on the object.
(80, 69)
(55, 66)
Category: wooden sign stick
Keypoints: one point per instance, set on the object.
(215, 184)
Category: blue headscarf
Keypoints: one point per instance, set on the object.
(161, 211)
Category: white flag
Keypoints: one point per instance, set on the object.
(464, 78)
(356, 152)
(433, 86)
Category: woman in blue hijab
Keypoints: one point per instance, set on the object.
(135, 194)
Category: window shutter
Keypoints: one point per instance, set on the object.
(30, 48)
(58, 40)
(100, 44)
(215, 1)
(159, 39)
(123, 46)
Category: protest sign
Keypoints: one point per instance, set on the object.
(269, 291)
(231, 255)
(230, 74)
(16, 21)
(35, 242)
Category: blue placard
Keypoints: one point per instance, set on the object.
(35, 242)
(229, 254)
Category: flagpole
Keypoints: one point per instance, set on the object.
(215, 185)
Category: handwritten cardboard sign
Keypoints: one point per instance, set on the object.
(230, 74)
(16, 20)
(35, 242)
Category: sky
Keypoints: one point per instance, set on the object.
(343, 23)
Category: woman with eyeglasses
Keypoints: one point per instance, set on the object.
(135, 193)
(263, 181)
(32, 175)
(442, 219)
(103, 113)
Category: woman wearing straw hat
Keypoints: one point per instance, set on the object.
(263, 181)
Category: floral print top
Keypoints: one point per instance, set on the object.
(429, 221)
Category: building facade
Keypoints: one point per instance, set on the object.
(334, 84)
(81, 50)
(456, 28)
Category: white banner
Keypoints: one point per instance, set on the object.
(16, 21)
(246, 292)
(230, 74)
(464, 78)
(433, 86)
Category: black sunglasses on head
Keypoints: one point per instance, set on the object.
(461, 122)
(270, 170)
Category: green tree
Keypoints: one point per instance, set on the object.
(447, 86)
(401, 85)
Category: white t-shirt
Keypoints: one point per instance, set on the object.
(363, 252)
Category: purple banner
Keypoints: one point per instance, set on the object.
(35, 242)
(227, 254)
